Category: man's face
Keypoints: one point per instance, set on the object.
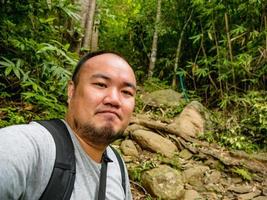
(103, 97)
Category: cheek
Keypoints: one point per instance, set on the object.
(129, 108)
(92, 97)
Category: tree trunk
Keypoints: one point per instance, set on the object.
(89, 22)
(153, 56)
(94, 42)
(84, 5)
(178, 52)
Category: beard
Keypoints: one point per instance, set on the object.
(104, 135)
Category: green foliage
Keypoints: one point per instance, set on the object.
(139, 104)
(135, 173)
(12, 116)
(226, 71)
(243, 173)
(255, 123)
(245, 127)
(35, 57)
(238, 142)
(173, 162)
(153, 84)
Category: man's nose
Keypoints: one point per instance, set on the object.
(112, 98)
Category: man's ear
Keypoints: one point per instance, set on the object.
(71, 88)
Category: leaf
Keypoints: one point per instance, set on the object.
(7, 63)
(210, 35)
(8, 70)
(49, 4)
(4, 64)
(16, 72)
(43, 20)
(196, 38)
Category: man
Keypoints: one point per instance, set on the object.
(100, 104)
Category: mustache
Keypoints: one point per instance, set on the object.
(108, 110)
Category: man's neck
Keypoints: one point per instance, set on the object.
(94, 151)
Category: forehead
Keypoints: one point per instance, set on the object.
(109, 65)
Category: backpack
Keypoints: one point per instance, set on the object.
(62, 179)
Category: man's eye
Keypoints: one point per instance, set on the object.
(101, 85)
(128, 93)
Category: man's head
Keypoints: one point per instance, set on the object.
(101, 97)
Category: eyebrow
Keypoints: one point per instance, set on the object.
(127, 84)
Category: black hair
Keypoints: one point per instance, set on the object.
(87, 57)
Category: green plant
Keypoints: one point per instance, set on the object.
(11, 116)
(153, 84)
(136, 171)
(139, 104)
(35, 57)
(173, 162)
(238, 142)
(243, 173)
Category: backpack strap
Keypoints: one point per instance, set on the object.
(62, 179)
(121, 167)
(61, 183)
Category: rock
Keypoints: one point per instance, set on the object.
(241, 189)
(261, 156)
(211, 187)
(166, 98)
(116, 143)
(226, 198)
(194, 175)
(210, 196)
(250, 195)
(215, 164)
(128, 159)
(191, 195)
(128, 148)
(163, 182)
(264, 185)
(154, 142)
(197, 106)
(131, 128)
(189, 122)
(185, 154)
(214, 177)
(236, 180)
(260, 198)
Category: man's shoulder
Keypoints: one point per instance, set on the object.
(21, 127)
(28, 149)
(32, 133)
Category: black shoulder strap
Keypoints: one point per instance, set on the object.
(61, 182)
(121, 167)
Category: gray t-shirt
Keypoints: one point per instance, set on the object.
(27, 156)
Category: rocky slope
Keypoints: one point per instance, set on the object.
(168, 161)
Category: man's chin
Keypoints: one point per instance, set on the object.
(102, 135)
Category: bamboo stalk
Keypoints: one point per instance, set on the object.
(230, 47)
(178, 51)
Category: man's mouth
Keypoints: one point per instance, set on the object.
(109, 112)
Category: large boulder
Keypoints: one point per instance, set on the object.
(154, 142)
(163, 182)
(194, 176)
(191, 195)
(165, 98)
(191, 121)
(128, 148)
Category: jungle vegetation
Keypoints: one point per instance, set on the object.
(214, 51)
